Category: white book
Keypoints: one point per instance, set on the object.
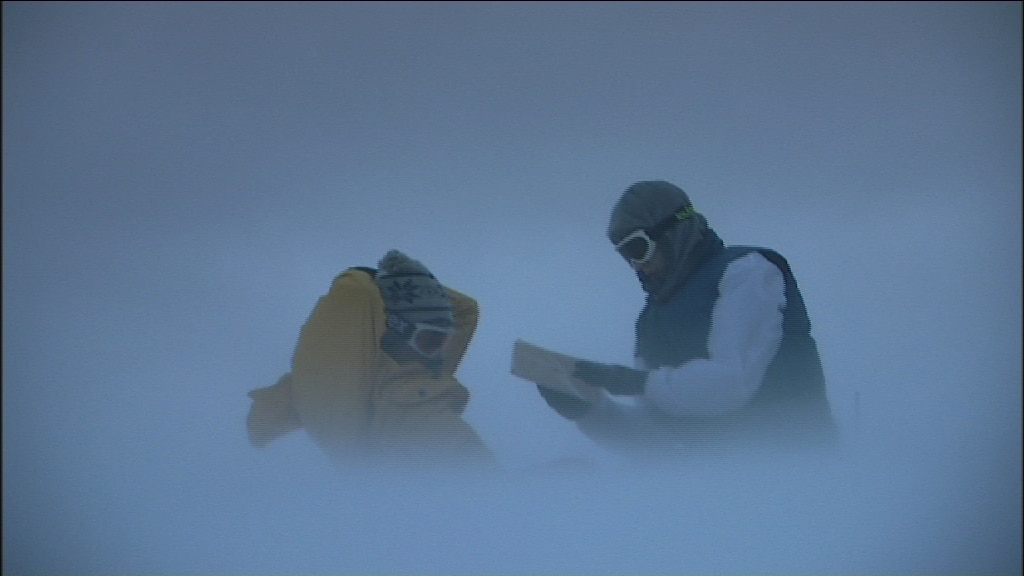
(550, 369)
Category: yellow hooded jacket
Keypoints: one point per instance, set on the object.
(353, 398)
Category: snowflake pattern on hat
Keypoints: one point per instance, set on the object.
(399, 292)
(411, 291)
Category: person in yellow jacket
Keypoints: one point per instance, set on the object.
(373, 373)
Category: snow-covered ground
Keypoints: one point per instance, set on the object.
(182, 181)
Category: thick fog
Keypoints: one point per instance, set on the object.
(182, 181)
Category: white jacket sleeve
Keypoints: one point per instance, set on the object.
(745, 335)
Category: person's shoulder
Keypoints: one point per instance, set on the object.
(752, 260)
(354, 280)
(461, 299)
(759, 256)
(753, 267)
(371, 272)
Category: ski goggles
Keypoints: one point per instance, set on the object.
(638, 246)
(428, 340)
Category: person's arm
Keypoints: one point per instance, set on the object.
(466, 312)
(271, 414)
(333, 362)
(746, 331)
(622, 424)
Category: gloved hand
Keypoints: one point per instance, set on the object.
(618, 380)
(567, 405)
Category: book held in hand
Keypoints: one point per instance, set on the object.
(550, 369)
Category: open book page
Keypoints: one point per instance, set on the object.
(550, 369)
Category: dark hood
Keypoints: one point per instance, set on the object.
(684, 245)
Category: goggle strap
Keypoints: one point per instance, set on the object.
(678, 216)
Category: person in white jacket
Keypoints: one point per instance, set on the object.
(724, 355)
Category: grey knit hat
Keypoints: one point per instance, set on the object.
(647, 203)
(411, 291)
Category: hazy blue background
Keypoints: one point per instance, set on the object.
(181, 181)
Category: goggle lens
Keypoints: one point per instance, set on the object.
(429, 340)
(637, 248)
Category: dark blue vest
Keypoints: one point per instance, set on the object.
(791, 401)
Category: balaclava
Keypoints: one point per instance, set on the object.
(643, 205)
